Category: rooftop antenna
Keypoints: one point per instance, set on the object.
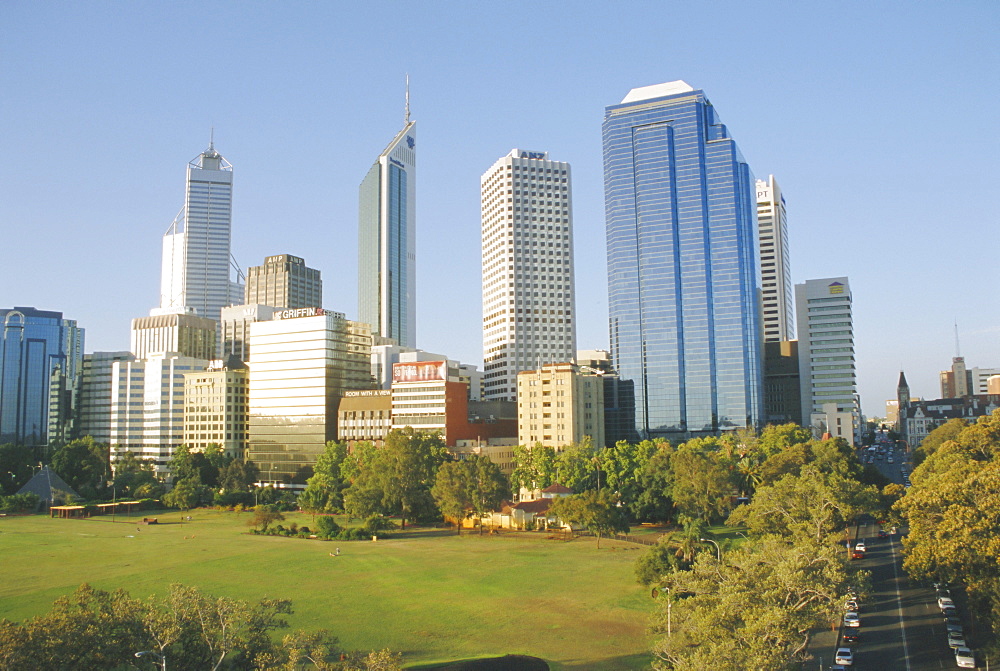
(211, 140)
(407, 97)
(958, 350)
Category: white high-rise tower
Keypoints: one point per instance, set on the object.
(387, 240)
(195, 275)
(775, 273)
(528, 304)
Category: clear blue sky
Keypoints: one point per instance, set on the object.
(879, 121)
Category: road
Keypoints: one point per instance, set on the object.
(901, 625)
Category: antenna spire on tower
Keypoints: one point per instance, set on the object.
(407, 98)
(958, 349)
(211, 140)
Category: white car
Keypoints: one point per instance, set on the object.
(945, 602)
(860, 546)
(956, 640)
(844, 656)
(852, 620)
(851, 605)
(964, 658)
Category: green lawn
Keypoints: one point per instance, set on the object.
(431, 595)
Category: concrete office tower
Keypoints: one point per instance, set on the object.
(94, 407)
(682, 270)
(236, 321)
(196, 247)
(284, 281)
(528, 304)
(300, 364)
(387, 240)
(827, 372)
(37, 346)
(215, 408)
(184, 334)
(147, 406)
(775, 273)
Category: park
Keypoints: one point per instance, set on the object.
(426, 592)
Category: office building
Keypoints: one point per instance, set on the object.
(527, 245)
(364, 416)
(185, 334)
(558, 405)
(385, 356)
(284, 281)
(775, 271)
(782, 391)
(301, 363)
(387, 240)
(235, 328)
(215, 408)
(196, 261)
(827, 373)
(94, 407)
(35, 347)
(147, 406)
(684, 313)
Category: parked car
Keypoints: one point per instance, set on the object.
(851, 605)
(882, 533)
(860, 546)
(956, 640)
(945, 602)
(949, 611)
(844, 656)
(852, 636)
(857, 555)
(852, 620)
(952, 626)
(964, 658)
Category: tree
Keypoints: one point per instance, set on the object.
(576, 466)
(263, 517)
(452, 492)
(84, 465)
(652, 565)
(399, 477)
(324, 490)
(656, 483)
(489, 488)
(16, 462)
(755, 610)
(701, 486)
(534, 467)
(132, 473)
(812, 505)
(936, 438)
(596, 511)
(186, 464)
(185, 495)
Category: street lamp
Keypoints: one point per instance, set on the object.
(161, 658)
(718, 550)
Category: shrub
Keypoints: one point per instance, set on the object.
(327, 527)
(377, 523)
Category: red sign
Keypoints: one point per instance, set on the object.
(420, 371)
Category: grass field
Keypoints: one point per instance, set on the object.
(429, 594)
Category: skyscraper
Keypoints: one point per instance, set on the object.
(775, 273)
(527, 231)
(827, 372)
(284, 281)
(386, 240)
(196, 247)
(682, 270)
(36, 347)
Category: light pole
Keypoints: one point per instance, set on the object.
(718, 550)
(161, 658)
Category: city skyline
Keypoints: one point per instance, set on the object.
(810, 109)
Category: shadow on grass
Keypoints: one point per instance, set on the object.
(505, 663)
(624, 662)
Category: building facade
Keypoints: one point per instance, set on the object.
(215, 408)
(236, 321)
(682, 271)
(284, 281)
(186, 334)
(827, 372)
(196, 247)
(37, 347)
(364, 416)
(147, 406)
(775, 268)
(558, 405)
(301, 363)
(387, 241)
(94, 407)
(782, 390)
(528, 292)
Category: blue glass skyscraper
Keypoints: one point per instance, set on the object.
(37, 346)
(682, 269)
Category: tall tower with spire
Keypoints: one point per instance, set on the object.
(902, 404)
(195, 275)
(387, 239)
